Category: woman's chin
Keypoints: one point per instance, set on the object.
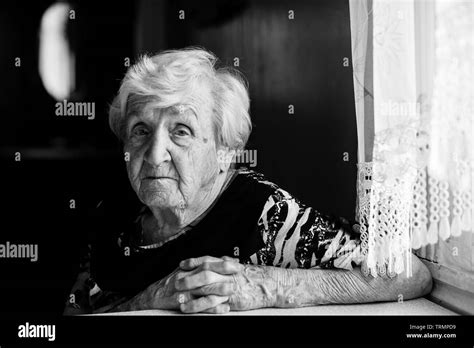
(159, 200)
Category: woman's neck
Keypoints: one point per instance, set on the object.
(163, 224)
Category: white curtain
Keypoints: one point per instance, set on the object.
(413, 84)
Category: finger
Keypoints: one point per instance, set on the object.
(228, 258)
(223, 267)
(192, 263)
(180, 275)
(202, 303)
(173, 301)
(197, 280)
(177, 274)
(183, 297)
(221, 289)
(219, 309)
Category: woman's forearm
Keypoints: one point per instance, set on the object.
(264, 286)
(125, 305)
(146, 299)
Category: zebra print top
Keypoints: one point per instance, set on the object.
(298, 236)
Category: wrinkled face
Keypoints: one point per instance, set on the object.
(173, 156)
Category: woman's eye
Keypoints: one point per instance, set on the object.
(182, 131)
(139, 131)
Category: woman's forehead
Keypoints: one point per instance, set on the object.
(178, 110)
(153, 114)
(138, 104)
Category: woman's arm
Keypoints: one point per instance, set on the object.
(213, 285)
(302, 287)
(266, 286)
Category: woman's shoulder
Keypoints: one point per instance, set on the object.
(263, 184)
(254, 175)
(255, 179)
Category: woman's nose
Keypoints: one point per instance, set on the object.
(157, 151)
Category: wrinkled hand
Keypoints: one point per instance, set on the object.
(243, 286)
(205, 284)
(202, 284)
(197, 287)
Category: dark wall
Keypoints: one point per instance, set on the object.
(298, 62)
(62, 158)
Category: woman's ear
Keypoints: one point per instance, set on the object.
(225, 157)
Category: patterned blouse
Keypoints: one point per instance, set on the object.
(253, 219)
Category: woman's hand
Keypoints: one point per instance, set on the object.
(197, 287)
(246, 286)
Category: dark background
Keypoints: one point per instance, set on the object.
(298, 62)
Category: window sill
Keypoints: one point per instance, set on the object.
(452, 288)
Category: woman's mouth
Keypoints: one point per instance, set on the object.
(158, 178)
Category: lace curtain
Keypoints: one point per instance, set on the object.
(413, 84)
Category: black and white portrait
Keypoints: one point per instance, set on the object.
(236, 158)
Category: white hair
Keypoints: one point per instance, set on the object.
(186, 77)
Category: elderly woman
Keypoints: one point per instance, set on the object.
(208, 237)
